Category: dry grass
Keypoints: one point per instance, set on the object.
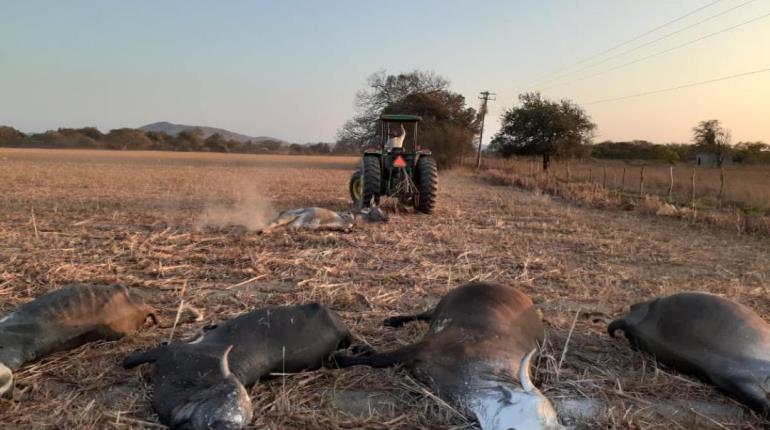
(746, 187)
(130, 218)
(652, 198)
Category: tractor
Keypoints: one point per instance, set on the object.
(398, 168)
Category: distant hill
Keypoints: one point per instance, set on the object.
(174, 129)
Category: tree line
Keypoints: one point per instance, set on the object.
(136, 139)
(536, 126)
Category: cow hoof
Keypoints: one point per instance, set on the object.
(332, 361)
(6, 381)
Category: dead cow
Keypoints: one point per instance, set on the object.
(704, 335)
(480, 337)
(311, 219)
(193, 385)
(65, 319)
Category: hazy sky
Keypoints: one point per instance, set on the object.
(290, 69)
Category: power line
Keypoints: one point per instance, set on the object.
(665, 51)
(665, 36)
(484, 97)
(633, 39)
(694, 84)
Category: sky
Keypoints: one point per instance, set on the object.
(291, 69)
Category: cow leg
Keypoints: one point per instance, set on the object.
(378, 360)
(280, 222)
(746, 389)
(400, 320)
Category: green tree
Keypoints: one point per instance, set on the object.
(9, 136)
(319, 148)
(751, 153)
(189, 140)
(448, 125)
(216, 143)
(161, 140)
(269, 145)
(543, 127)
(383, 90)
(345, 147)
(635, 150)
(91, 132)
(127, 138)
(709, 136)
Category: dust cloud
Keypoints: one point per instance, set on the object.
(251, 210)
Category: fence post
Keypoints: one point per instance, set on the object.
(604, 177)
(623, 180)
(692, 189)
(568, 172)
(591, 174)
(721, 185)
(670, 182)
(641, 182)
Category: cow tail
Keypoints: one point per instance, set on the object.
(618, 324)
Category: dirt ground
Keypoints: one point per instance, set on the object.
(160, 221)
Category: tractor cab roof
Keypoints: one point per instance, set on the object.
(400, 118)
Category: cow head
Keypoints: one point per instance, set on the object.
(348, 218)
(6, 380)
(221, 406)
(507, 407)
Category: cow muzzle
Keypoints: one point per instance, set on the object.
(225, 406)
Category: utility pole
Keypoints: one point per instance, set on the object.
(484, 97)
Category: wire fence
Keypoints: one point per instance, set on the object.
(735, 186)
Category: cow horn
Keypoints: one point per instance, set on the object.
(224, 364)
(6, 381)
(524, 378)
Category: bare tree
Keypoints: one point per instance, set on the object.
(383, 90)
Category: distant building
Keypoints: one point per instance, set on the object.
(707, 159)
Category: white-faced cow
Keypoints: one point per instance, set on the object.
(311, 219)
(198, 385)
(481, 337)
(65, 319)
(701, 334)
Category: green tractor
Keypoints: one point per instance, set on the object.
(399, 168)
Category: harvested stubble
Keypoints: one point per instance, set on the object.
(129, 218)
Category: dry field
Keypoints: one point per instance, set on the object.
(159, 221)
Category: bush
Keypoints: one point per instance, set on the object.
(9, 136)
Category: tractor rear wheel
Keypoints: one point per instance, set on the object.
(372, 180)
(426, 175)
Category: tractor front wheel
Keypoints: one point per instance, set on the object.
(372, 180)
(426, 175)
(356, 187)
